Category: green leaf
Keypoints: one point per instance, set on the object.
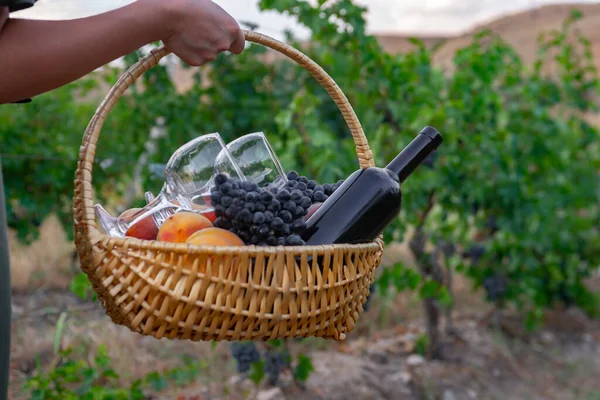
(303, 368)
(257, 372)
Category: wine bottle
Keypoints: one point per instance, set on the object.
(369, 200)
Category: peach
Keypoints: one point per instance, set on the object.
(179, 227)
(215, 237)
(145, 229)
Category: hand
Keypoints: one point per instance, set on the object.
(198, 30)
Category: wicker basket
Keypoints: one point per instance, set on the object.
(181, 291)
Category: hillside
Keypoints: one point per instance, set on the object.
(520, 30)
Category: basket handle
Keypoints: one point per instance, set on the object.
(83, 205)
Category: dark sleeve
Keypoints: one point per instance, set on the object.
(18, 5)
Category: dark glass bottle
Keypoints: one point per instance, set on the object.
(369, 200)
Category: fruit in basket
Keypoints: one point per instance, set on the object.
(145, 229)
(215, 237)
(180, 226)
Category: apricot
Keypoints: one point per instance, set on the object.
(179, 227)
(145, 229)
(215, 237)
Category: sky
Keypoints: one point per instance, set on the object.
(423, 17)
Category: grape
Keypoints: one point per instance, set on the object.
(245, 354)
(301, 186)
(229, 213)
(244, 235)
(319, 188)
(284, 195)
(226, 201)
(219, 210)
(303, 179)
(226, 188)
(296, 195)
(258, 218)
(311, 184)
(244, 215)
(254, 239)
(239, 202)
(298, 226)
(293, 176)
(225, 224)
(286, 216)
(266, 197)
(319, 197)
(277, 224)
(328, 188)
(271, 241)
(295, 240)
(264, 231)
(305, 202)
(274, 206)
(250, 206)
(260, 207)
(289, 206)
(281, 241)
(251, 197)
(300, 211)
(286, 230)
(269, 216)
(220, 179)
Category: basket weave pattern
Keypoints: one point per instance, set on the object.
(182, 291)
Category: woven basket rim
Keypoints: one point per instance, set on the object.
(251, 250)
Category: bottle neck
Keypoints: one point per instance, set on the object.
(426, 142)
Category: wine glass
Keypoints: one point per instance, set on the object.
(253, 160)
(188, 180)
(256, 160)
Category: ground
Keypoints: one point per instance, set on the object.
(376, 361)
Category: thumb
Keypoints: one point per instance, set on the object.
(239, 43)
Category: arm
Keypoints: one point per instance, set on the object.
(38, 56)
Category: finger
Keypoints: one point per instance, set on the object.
(186, 53)
(238, 44)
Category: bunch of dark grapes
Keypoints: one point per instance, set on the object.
(245, 354)
(495, 287)
(273, 217)
(275, 362)
(475, 252)
(259, 217)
